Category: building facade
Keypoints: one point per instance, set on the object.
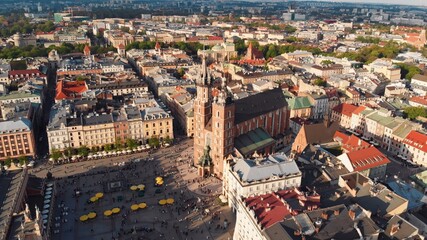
(17, 139)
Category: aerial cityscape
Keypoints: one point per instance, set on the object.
(192, 120)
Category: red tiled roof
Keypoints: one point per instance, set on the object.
(350, 143)
(24, 72)
(419, 100)
(272, 208)
(359, 109)
(215, 38)
(345, 109)
(70, 89)
(367, 158)
(417, 140)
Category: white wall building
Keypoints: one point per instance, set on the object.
(259, 176)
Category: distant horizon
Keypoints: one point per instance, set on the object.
(419, 3)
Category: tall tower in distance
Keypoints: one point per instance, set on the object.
(202, 111)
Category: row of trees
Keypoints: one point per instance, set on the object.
(407, 71)
(371, 53)
(84, 151)
(368, 39)
(414, 112)
(190, 48)
(18, 23)
(41, 51)
(22, 160)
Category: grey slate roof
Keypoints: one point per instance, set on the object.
(274, 165)
(15, 126)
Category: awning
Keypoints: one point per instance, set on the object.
(91, 215)
(115, 210)
(162, 202)
(84, 218)
(134, 207)
(142, 205)
(108, 213)
(170, 201)
(99, 195)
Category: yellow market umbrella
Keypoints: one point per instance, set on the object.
(160, 182)
(115, 210)
(99, 195)
(108, 213)
(134, 207)
(134, 188)
(93, 199)
(170, 200)
(84, 218)
(159, 179)
(91, 215)
(162, 202)
(141, 187)
(142, 205)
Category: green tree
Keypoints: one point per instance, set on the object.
(83, 151)
(118, 144)
(414, 112)
(289, 29)
(108, 147)
(320, 82)
(56, 154)
(8, 162)
(154, 142)
(168, 140)
(131, 143)
(407, 71)
(23, 160)
(69, 151)
(271, 52)
(180, 72)
(326, 62)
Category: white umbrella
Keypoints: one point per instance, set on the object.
(46, 201)
(49, 188)
(49, 184)
(129, 151)
(45, 216)
(45, 211)
(46, 206)
(147, 145)
(90, 155)
(51, 159)
(47, 196)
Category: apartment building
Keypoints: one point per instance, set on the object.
(244, 177)
(17, 139)
(70, 127)
(384, 67)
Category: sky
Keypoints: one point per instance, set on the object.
(403, 2)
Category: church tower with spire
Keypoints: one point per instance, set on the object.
(202, 111)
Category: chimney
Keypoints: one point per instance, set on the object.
(359, 142)
(351, 214)
(394, 229)
(336, 212)
(324, 215)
